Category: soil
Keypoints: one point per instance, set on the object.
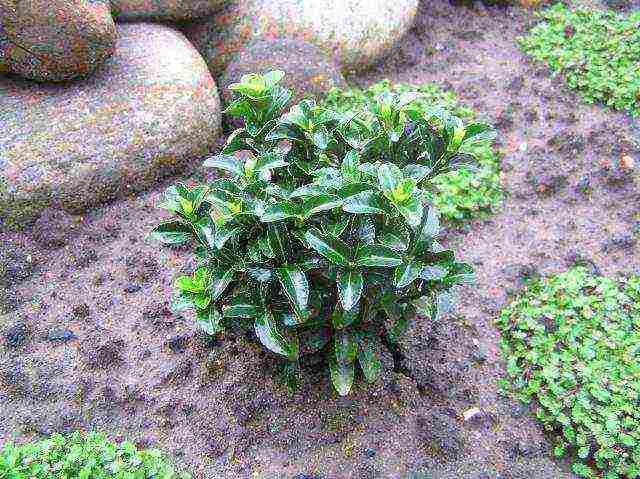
(87, 340)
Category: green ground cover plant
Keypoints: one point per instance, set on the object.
(572, 344)
(460, 194)
(597, 51)
(83, 456)
(320, 236)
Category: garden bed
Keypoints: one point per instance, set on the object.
(89, 341)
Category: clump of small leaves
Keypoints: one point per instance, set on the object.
(572, 345)
(321, 237)
(82, 456)
(460, 194)
(597, 51)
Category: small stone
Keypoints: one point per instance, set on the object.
(81, 311)
(132, 288)
(16, 335)
(627, 162)
(469, 414)
(177, 343)
(480, 354)
(62, 335)
(305, 476)
(369, 452)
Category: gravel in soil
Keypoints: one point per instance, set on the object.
(87, 339)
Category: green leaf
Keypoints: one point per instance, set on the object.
(389, 176)
(407, 272)
(369, 361)
(317, 204)
(433, 273)
(345, 347)
(350, 287)
(269, 335)
(328, 246)
(377, 256)
(221, 282)
(411, 209)
(269, 161)
(365, 202)
(295, 286)
(242, 307)
(349, 168)
(278, 242)
(416, 172)
(172, 232)
(226, 163)
(279, 211)
(342, 376)
(209, 321)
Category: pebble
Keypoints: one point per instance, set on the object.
(16, 335)
(62, 335)
(132, 288)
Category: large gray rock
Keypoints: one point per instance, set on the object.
(359, 32)
(309, 72)
(151, 110)
(175, 10)
(55, 40)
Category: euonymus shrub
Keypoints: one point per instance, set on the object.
(572, 344)
(319, 237)
(460, 194)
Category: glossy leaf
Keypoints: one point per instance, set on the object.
(350, 288)
(295, 285)
(328, 246)
(342, 375)
(407, 273)
(172, 232)
(267, 331)
(224, 162)
(377, 256)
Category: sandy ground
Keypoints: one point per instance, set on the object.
(88, 340)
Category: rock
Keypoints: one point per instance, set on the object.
(440, 434)
(152, 110)
(309, 72)
(369, 452)
(54, 228)
(56, 40)
(172, 10)
(16, 335)
(62, 335)
(178, 343)
(358, 32)
(132, 288)
(81, 311)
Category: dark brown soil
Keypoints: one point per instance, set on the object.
(87, 340)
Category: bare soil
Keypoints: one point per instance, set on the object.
(87, 340)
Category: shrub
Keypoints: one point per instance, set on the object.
(597, 51)
(459, 194)
(80, 456)
(572, 344)
(321, 237)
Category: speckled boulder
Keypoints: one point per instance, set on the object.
(152, 110)
(359, 32)
(176, 10)
(309, 72)
(55, 40)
